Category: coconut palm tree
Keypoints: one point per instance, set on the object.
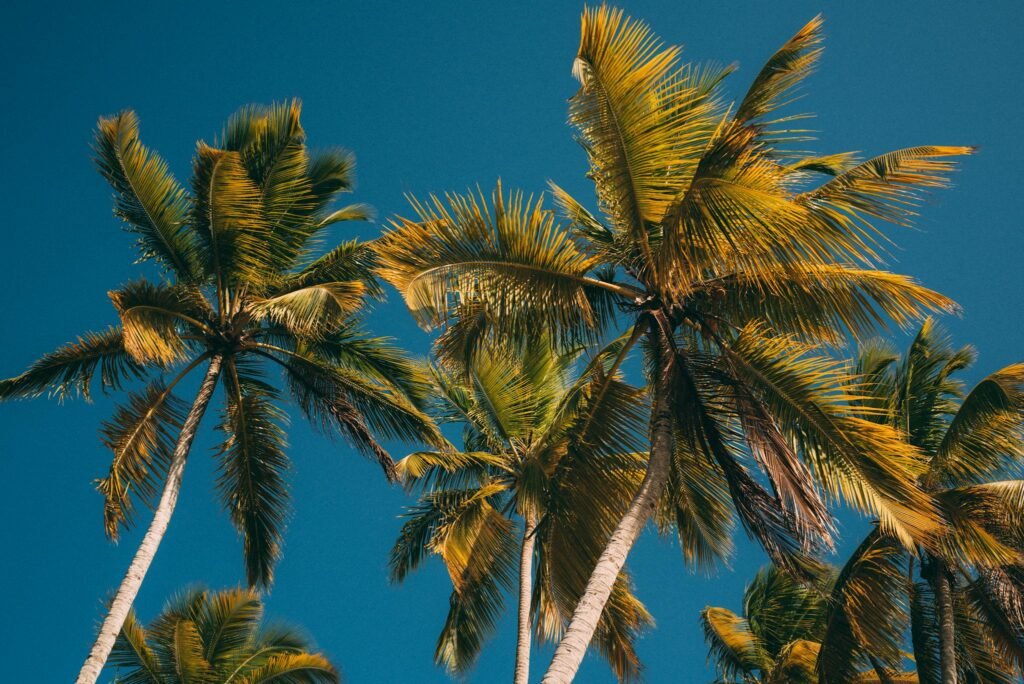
(549, 447)
(965, 595)
(715, 245)
(215, 638)
(777, 638)
(241, 292)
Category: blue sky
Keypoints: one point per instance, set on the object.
(430, 97)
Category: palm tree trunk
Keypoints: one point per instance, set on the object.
(573, 647)
(132, 581)
(947, 631)
(522, 672)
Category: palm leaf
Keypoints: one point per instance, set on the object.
(142, 435)
(69, 370)
(146, 196)
(252, 467)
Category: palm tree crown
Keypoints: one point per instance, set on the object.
(208, 637)
(963, 597)
(241, 283)
(243, 291)
(552, 447)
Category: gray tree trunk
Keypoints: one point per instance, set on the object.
(522, 672)
(947, 630)
(132, 581)
(573, 646)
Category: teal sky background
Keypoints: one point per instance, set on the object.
(430, 96)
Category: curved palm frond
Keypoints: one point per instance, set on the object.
(142, 435)
(147, 197)
(70, 369)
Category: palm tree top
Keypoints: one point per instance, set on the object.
(216, 638)
(243, 280)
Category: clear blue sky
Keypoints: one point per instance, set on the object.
(430, 96)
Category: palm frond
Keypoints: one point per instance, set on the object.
(638, 113)
(734, 649)
(790, 65)
(987, 431)
(230, 219)
(294, 668)
(146, 196)
(867, 464)
(252, 466)
(889, 186)
(153, 318)
(70, 369)
(312, 310)
(132, 653)
(867, 611)
(513, 258)
(142, 436)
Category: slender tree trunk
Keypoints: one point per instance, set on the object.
(947, 630)
(573, 647)
(132, 581)
(522, 673)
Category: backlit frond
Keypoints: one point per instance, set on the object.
(69, 370)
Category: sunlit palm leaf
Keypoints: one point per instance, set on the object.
(147, 197)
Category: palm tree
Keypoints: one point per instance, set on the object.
(240, 292)
(715, 247)
(966, 594)
(777, 639)
(549, 447)
(215, 638)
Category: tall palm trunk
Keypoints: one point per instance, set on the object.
(132, 581)
(522, 672)
(583, 624)
(947, 630)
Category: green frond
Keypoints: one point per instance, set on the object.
(154, 317)
(131, 652)
(867, 611)
(638, 112)
(227, 621)
(294, 668)
(378, 358)
(351, 260)
(70, 369)
(252, 464)
(312, 310)
(203, 637)
(790, 65)
(985, 523)
(513, 258)
(339, 400)
(888, 187)
(780, 609)
(449, 469)
(732, 646)
(867, 464)
(230, 220)
(146, 196)
(820, 302)
(142, 435)
(987, 431)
